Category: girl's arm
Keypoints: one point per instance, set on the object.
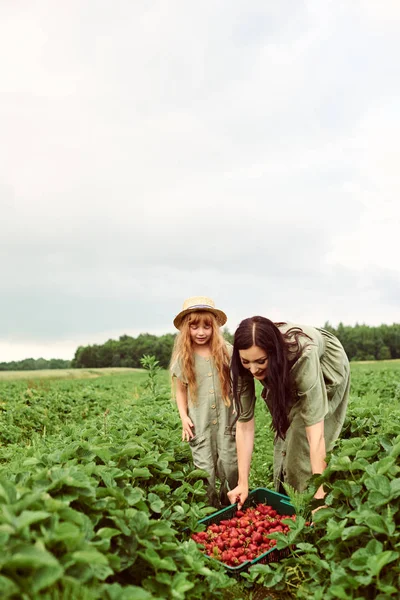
(182, 403)
(244, 445)
(316, 441)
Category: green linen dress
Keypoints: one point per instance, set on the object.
(321, 377)
(214, 443)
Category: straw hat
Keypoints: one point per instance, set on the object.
(199, 303)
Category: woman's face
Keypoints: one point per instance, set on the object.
(255, 360)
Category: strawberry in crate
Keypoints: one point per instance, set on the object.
(244, 537)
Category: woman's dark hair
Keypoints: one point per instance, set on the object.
(282, 351)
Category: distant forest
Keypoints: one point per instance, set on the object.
(361, 342)
(35, 364)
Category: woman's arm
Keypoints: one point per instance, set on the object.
(244, 445)
(316, 441)
(182, 403)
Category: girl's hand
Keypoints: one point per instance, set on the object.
(239, 494)
(187, 433)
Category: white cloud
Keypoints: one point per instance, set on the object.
(244, 150)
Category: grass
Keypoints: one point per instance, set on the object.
(65, 373)
(376, 364)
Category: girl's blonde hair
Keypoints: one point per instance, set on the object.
(183, 353)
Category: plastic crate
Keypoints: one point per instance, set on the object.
(279, 502)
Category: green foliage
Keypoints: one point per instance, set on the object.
(35, 364)
(228, 336)
(95, 508)
(96, 488)
(363, 342)
(353, 549)
(125, 352)
(152, 366)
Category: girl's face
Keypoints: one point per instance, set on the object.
(255, 359)
(200, 332)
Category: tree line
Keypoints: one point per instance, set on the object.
(35, 364)
(125, 352)
(361, 342)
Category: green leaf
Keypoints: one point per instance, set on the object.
(376, 563)
(340, 463)
(131, 592)
(157, 562)
(306, 547)
(380, 467)
(67, 532)
(197, 474)
(344, 487)
(322, 515)
(334, 529)
(364, 579)
(45, 577)
(32, 461)
(133, 495)
(179, 509)
(7, 587)
(379, 483)
(4, 536)
(354, 531)
(395, 488)
(373, 548)
(27, 556)
(140, 523)
(101, 572)
(106, 533)
(161, 529)
(342, 577)
(161, 488)
(376, 499)
(141, 473)
(122, 525)
(368, 453)
(359, 561)
(395, 451)
(156, 504)
(8, 491)
(28, 517)
(164, 578)
(378, 524)
(181, 585)
(90, 557)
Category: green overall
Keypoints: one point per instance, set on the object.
(214, 444)
(321, 377)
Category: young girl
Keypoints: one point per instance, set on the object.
(200, 370)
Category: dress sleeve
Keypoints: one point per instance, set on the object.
(247, 398)
(176, 371)
(310, 387)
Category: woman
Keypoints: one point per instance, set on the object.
(305, 374)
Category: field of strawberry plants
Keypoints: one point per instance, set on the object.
(96, 490)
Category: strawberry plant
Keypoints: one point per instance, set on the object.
(353, 549)
(94, 507)
(96, 488)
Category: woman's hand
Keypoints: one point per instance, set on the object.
(239, 494)
(187, 433)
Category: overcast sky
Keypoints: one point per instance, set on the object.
(154, 150)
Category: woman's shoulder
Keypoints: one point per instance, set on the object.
(311, 336)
